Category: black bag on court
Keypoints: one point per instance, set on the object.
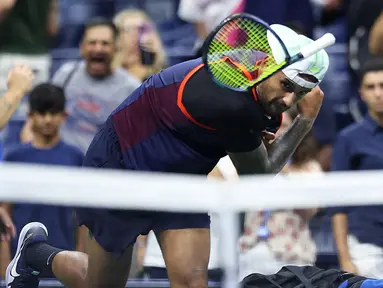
(302, 277)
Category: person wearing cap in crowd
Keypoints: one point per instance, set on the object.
(177, 121)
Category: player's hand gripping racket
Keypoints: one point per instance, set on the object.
(238, 53)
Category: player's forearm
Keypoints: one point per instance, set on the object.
(272, 159)
(8, 105)
(281, 150)
(376, 37)
(340, 231)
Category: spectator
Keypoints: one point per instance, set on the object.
(284, 11)
(73, 15)
(140, 48)
(361, 14)
(278, 238)
(93, 88)
(25, 30)
(19, 82)
(358, 231)
(205, 15)
(47, 113)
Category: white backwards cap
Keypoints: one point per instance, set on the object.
(316, 65)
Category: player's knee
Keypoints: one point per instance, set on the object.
(80, 266)
(193, 278)
(197, 277)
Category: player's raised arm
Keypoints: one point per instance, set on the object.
(274, 158)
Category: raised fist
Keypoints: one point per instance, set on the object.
(20, 79)
(310, 105)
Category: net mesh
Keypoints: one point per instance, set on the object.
(239, 55)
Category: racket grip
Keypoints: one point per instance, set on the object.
(325, 41)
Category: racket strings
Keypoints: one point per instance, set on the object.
(245, 43)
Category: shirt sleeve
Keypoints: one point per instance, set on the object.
(62, 74)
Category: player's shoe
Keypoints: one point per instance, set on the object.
(18, 273)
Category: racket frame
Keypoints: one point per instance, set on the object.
(212, 34)
(323, 42)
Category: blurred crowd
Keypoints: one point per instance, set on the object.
(87, 56)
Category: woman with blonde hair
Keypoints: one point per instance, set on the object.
(141, 51)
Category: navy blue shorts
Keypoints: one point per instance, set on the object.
(116, 230)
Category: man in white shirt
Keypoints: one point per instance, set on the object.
(207, 14)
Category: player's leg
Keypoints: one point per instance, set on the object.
(110, 244)
(186, 253)
(106, 269)
(69, 267)
(73, 269)
(111, 236)
(34, 256)
(99, 269)
(186, 249)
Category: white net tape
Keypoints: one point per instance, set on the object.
(131, 190)
(126, 189)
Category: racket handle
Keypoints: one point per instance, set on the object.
(325, 41)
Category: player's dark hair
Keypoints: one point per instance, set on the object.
(47, 98)
(371, 65)
(308, 77)
(101, 21)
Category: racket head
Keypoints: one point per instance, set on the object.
(238, 55)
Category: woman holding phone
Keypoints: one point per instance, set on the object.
(140, 48)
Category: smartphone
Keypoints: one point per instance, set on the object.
(147, 57)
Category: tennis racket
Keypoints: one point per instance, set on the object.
(238, 54)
